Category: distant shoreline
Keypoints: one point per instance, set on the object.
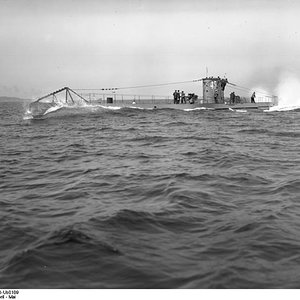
(12, 99)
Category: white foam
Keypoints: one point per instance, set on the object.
(282, 108)
(111, 107)
(288, 93)
(28, 117)
(142, 108)
(198, 108)
(53, 108)
(237, 110)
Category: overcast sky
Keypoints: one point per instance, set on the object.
(46, 45)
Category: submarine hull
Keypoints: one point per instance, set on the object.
(184, 106)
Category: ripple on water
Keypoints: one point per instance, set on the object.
(130, 198)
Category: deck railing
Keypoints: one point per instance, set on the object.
(106, 97)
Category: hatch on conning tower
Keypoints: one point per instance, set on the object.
(213, 89)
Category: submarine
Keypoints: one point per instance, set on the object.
(213, 89)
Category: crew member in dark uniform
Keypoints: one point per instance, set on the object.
(232, 98)
(216, 96)
(175, 96)
(253, 98)
(183, 97)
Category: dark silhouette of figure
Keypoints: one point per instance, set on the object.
(191, 98)
(216, 96)
(183, 97)
(253, 98)
(232, 98)
(175, 96)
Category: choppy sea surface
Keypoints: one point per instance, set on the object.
(129, 198)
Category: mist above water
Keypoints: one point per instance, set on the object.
(288, 91)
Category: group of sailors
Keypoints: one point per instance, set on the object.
(237, 99)
(234, 98)
(180, 97)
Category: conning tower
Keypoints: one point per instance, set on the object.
(213, 89)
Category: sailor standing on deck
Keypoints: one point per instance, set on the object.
(232, 98)
(216, 96)
(183, 97)
(253, 98)
(175, 96)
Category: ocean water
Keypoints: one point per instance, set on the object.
(129, 198)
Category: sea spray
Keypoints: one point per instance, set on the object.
(40, 110)
(288, 93)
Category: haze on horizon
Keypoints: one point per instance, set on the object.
(46, 45)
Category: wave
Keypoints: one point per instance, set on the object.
(106, 197)
(53, 109)
(198, 108)
(71, 235)
(141, 108)
(282, 108)
(64, 237)
(241, 110)
(66, 253)
(167, 219)
(43, 110)
(109, 107)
